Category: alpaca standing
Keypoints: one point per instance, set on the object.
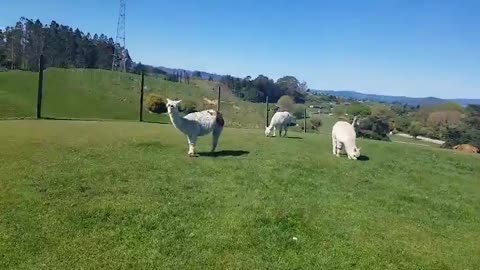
(196, 124)
(343, 139)
(280, 121)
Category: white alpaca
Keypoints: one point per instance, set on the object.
(196, 124)
(343, 139)
(280, 121)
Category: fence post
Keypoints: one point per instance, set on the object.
(141, 97)
(40, 87)
(305, 121)
(266, 108)
(218, 102)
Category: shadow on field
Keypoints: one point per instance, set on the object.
(363, 158)
(295, 138)
(99, 120)
(155, 122)
(155, 144)
(225, 153)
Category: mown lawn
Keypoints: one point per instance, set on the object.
(118, 195)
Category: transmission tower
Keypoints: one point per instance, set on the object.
(120, 52)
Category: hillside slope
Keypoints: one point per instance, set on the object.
(101, 94)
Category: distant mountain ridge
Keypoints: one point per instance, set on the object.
(348, 94)
(426, 101)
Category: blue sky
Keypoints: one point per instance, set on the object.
(396, 47)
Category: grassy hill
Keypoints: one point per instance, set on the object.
(101, 94)
(115, 195)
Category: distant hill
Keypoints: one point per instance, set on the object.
(427, 101)
(348, 94)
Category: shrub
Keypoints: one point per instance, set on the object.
(156, 104)
(316, 122)
(298, 111)
(309, 126)
(340, 110)
(358, 109)
(286, 103)
(415, 129)
(190, 106)
(375, 128)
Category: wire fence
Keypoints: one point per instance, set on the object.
(57, 93)
(93, 94)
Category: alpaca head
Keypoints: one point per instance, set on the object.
(172, 105)
(267, 131)
(355, 152)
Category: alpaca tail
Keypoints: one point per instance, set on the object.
(355, 121)
(217, 130)
(219, 119)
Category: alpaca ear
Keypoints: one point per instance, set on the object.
(178, 101)
(169, 100)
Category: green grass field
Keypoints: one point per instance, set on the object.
(124, 195)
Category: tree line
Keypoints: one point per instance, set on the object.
(21, 46)
(258, 89)
(62, 46)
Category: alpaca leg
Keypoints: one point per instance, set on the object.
(285, 131)
(340, 148)
(217, 130)
(191, 145)
(274, 131)
(334, 145)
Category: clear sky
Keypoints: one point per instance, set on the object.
(395, 47)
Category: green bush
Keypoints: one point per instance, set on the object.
(375, 128)
(415, 129)
(298, 111)
(156, 103)
(286, 103)
(190, 106)
(359, 109)
(316, 122)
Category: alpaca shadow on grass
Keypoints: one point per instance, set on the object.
(288, 137)
(224, 153)
(294, 138)
(363, 158)
(155, 122)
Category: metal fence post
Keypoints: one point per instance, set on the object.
(141, 96)
(218, 102)
(305, 121)
(266, 108)
(40, 87)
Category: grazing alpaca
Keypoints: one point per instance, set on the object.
(343, 139)
(196, 124)
(280, 121)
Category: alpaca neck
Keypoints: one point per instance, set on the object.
(177, 120)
